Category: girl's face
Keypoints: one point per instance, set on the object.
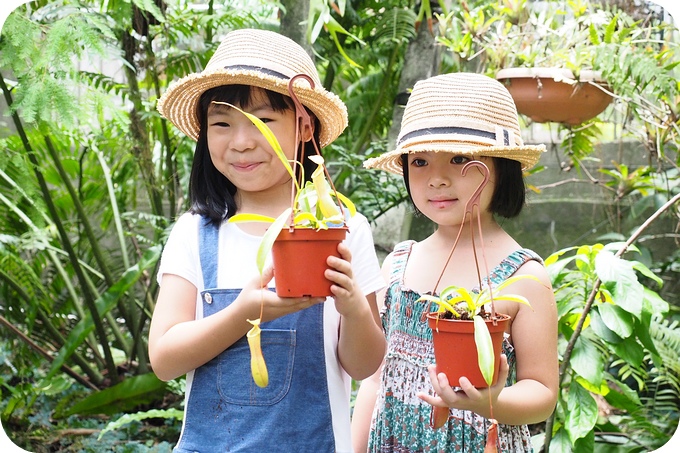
(440, 191)
(239, 150)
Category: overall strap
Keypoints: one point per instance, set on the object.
(208, 243)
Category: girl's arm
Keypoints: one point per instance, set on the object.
(363, 411)
(179, 343)
(361, 344)
(534, 336)
(368, 390)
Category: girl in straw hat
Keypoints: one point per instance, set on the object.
(450, 120)
(209, 283)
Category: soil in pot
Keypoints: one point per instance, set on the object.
(455, 350)
(300, 261)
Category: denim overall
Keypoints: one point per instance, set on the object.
(227, 412)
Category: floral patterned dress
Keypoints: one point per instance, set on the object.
(401, 420)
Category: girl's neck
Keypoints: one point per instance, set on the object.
(445, 235)
(271, 202)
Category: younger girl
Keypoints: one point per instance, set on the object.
(210, 285)
(450, 120)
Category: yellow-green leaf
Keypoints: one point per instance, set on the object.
(485, 356)
(246, 217)
(514, 298)
(269, 237)
(347, 203)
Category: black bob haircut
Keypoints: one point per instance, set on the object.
(211, 194)
(509, 193)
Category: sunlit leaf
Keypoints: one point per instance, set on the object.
(485, 355)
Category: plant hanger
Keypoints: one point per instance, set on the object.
(303, 120)
(472, 203)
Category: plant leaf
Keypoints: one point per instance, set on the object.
(269, 237)
(246, 217)
(121, 397)
(485, 356)
(582, 414)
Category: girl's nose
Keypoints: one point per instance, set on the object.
(439, 179)
(243, 137)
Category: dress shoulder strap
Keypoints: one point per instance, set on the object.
(400, 256)
(511, 263)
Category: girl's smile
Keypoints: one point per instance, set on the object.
(245, 166)
(442, 202)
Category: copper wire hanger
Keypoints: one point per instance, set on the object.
(302, 120)
(470, 205)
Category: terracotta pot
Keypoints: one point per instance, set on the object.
(554, 95)
(300, 260)
(455, 350)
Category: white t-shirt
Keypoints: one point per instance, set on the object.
(236, 267)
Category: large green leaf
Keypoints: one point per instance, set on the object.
(560, 442)
(628, 291)
(630, 351)
(122, 397)
(587, 361)
(616, 319)
(642, 331)
(582, 414)
(600, 328)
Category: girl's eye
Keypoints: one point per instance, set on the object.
(220, 124)
(418, 162)
(460, 160)
(266, 120)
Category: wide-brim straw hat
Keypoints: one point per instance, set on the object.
(259, 58)
(460, 113)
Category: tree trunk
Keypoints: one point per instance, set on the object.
(420, 62)
(293, 23)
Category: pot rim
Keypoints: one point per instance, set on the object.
(557, 74)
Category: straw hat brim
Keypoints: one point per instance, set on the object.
(178, 104)
(527, 155)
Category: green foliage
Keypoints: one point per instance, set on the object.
(175, 414)
(616, 342)
(127, 395)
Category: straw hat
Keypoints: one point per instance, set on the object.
(259, 58)
(460, 113)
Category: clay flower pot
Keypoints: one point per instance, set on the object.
(300, 260)
(455, 350)
(554, 94)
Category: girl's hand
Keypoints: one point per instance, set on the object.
(256, 293)
(349, 300)
(468, 397)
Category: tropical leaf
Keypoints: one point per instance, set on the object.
(122, 397)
